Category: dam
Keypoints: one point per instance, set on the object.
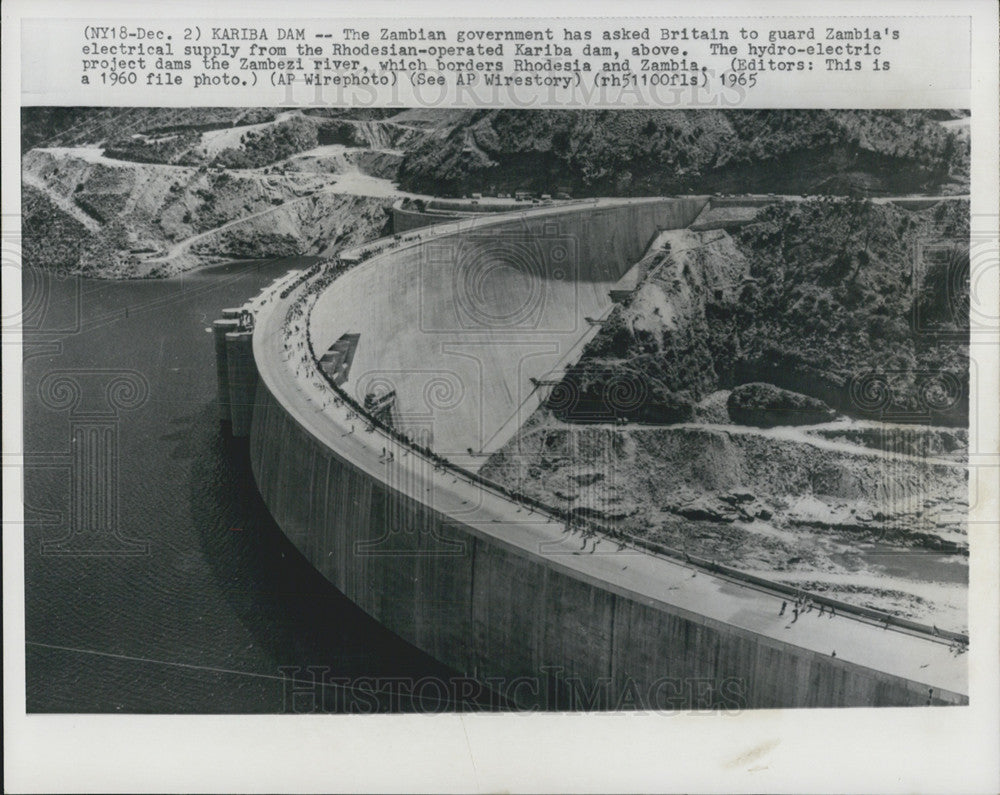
(455, 330)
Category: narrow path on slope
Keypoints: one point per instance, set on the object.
(786, 433)
(347, 184)
(184, 245)
(60, 201)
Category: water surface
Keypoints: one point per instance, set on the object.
(207, 620)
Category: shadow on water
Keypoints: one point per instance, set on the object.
(222, 603)
(298, 618)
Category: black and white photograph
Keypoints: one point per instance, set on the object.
(423, 409)
(546, 402)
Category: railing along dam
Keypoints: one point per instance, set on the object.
(458, 321)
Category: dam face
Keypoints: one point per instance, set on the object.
(458, 323)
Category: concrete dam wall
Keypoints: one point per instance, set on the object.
(460, 324)
(493, 609)
(495, 590)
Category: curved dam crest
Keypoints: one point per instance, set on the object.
(459, 325)
(485, 585)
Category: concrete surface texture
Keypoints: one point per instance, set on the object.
(460, 324)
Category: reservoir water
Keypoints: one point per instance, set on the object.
(212, 610)
(219, 613)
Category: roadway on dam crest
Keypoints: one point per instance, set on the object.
(839, 646)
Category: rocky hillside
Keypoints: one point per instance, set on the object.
(81, 126)
(643, 152)
(821, 297)
(91, 214)
(124, 128)
(813, 507)
(704, 413)
(126, 192)
(162, 191)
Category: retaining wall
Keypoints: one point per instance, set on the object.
(405, 220)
